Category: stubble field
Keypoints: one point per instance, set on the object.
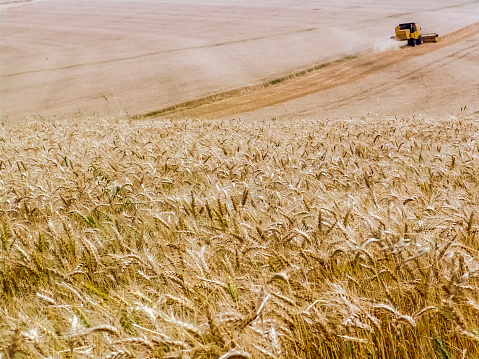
(63, 59)
(236, 239)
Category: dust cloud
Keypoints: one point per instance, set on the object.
(382, 44)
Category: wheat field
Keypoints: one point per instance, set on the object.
(229, 239)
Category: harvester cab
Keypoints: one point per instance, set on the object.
(411, 32)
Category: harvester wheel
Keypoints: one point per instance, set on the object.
(411, 42)
(419, 40)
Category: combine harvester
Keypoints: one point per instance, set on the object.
(411, 32)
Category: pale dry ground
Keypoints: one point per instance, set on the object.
(69, 58)
(351, 238)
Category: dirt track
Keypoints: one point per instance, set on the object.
(94, 58)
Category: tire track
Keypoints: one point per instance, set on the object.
(432, 65)
(156, 53)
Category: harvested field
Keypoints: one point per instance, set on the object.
(63, 59)
(235, 239)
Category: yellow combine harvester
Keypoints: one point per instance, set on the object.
(411, 32)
